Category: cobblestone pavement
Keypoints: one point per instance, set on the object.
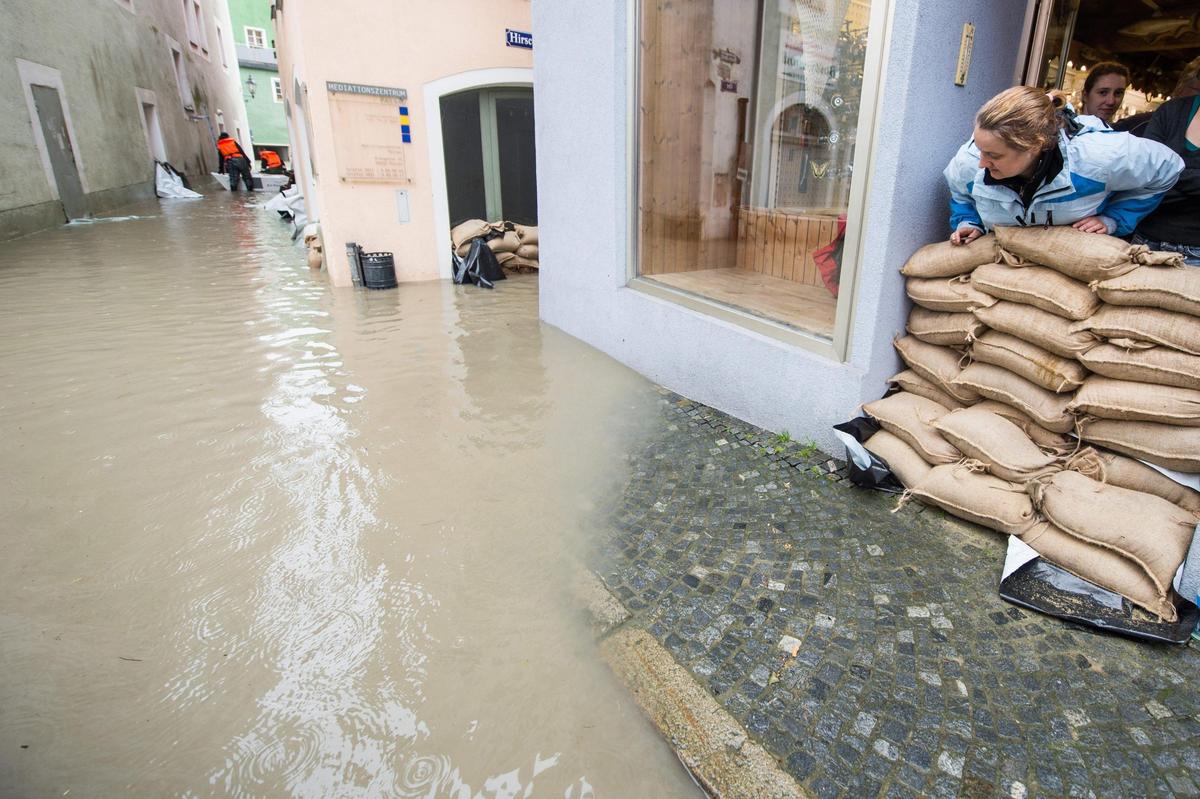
(868, 650)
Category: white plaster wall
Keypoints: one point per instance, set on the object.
(583, 196)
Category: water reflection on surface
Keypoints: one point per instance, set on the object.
(262, 538)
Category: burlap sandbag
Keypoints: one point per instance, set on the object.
(1155, 287)
(1038, 286)
(504, 258)
(1162, 366)
(528, 252)
(1083, 256)
(517, 262)
(1149, 530)
(1137, 402)
(1119, 470)
(1044, 407)
(1153, 325)
(948, 294)
(995, 442)
(1046, 330)
(978, 497)
(943, 329)
(1101, 566)
(463, 233)
(1048, 440)
(506, 243)
(904, 461)
(1163, 445)
(1051, 372)
(938, 365)
(911, 418)
(944, 259)
(910, 381)
(528, 234)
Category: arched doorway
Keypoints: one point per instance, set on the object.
(481, 143)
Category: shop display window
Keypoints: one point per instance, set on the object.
(748, 115)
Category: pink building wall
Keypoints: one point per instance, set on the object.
(396, 43)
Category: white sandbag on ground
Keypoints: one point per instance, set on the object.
(1120, 470)
(1041, 367)
(904, 461)
(1104, 567)
(944, 259)
(1038, 286)
(997, 443)
(948, 294)
(1149, 530)
(913, 383)
(1154, 287)
(1162, 366)
(1044, 407)
(1164, 445)
(911, 418)
(977, 497)
(938, 365)
(1140, 402)
(1083, 256)
(169, 185)
(1046, 330)
(1152, 325)
(943, 329)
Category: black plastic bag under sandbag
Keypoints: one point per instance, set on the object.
(1037, 584)
(480, 266)
(865, 468)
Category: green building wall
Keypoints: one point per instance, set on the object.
(268, 128)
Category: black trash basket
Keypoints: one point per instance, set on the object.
(378, 270)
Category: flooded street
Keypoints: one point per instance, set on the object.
(263, 538)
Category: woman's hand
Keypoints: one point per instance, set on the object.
(1091, 224)
(965, 235)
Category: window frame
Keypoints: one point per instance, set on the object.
(837, 346)
(183, 83)
(277, 90)
(246, 31)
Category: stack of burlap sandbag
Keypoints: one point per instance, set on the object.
(515, 246)
(1023, 348)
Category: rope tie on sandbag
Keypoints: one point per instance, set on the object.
(1036, 489)
(1089, 463)
(965, 360)
(1011, 258)
(904, 498)
(1078, 427)
(973, 465)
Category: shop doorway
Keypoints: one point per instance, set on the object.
(489, 154)
(60, 151)
(1153, 39)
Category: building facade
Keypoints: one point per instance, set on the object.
(405, 118)
(747, 178)
(254, 40)
(91, 98)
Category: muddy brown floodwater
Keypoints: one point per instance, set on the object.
(265, 538)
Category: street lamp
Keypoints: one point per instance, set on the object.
(251, 86)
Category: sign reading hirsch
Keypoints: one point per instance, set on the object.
(518, 39)
(360, 88)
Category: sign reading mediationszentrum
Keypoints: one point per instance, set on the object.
(362, 88)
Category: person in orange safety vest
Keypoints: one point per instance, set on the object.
(233, 161)
(270, 160)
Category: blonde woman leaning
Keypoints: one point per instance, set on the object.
(1032, 163)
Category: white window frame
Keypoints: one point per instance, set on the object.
(836, 347)
(221, 45)
(154, 138)
(182, 83)
(262, 37)
(277, 89)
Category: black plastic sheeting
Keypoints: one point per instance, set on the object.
(480, 267)
(1039, 584)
